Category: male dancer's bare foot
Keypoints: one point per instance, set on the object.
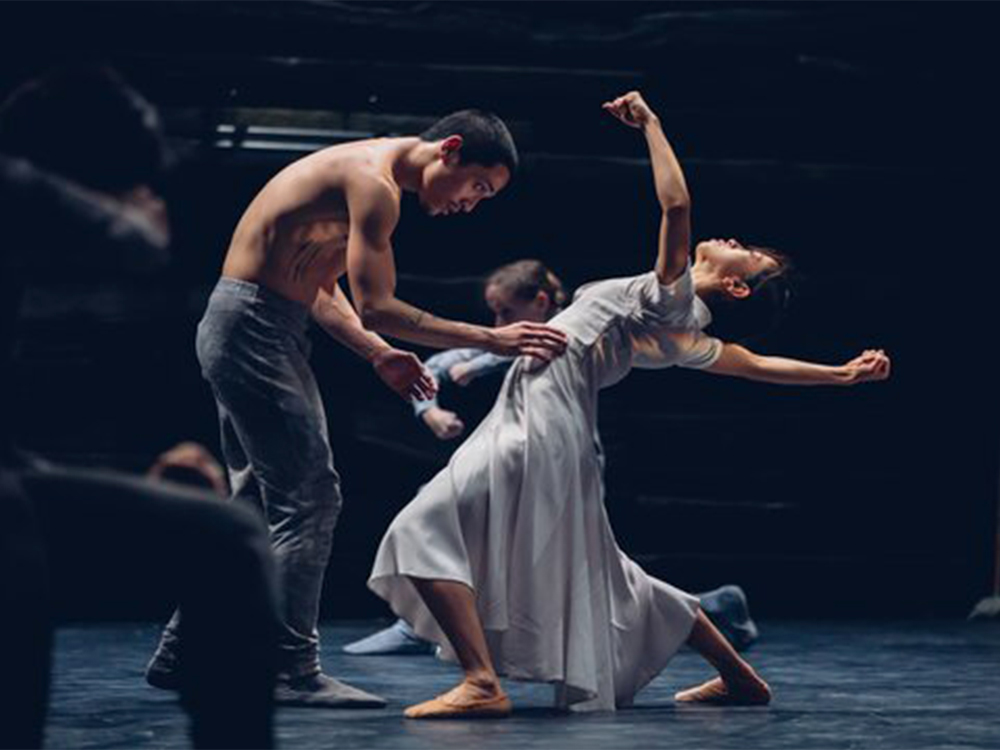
(470, 699)
(745, 690)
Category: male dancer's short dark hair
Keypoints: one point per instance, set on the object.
(485, 138)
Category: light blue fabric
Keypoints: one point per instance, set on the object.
(480, 363)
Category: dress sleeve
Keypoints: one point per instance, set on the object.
(697, 350)
(663, 304)
(667, 324)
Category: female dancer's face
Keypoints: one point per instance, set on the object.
(731, 258)
(509, 308)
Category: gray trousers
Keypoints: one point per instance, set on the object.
(253, 350)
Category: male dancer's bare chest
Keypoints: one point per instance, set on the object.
(305, 257)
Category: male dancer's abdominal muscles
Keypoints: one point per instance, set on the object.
(299, 269)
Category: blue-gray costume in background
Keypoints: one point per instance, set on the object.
(478, 363)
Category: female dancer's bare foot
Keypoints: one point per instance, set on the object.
(468, 700)
(744, 690)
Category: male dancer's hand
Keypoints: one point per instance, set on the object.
(631, 109)
(872, 365)
(534, 339)
(405, 374)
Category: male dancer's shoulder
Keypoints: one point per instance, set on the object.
(373, 199)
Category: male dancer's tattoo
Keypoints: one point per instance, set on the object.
(418, 318)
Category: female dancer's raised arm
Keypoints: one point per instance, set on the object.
(671, 190)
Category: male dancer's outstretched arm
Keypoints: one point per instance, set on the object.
(371, 270)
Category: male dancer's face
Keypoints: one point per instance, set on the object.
(449, 187)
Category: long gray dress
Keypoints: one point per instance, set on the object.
(518, 514)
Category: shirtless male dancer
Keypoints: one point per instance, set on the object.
(327, 215)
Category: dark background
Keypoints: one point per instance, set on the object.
(858, 137)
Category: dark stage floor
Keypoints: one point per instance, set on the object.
(841, 685)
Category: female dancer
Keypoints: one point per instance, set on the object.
(506, 558)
